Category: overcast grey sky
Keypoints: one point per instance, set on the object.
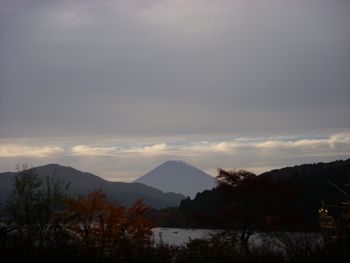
(118, 86)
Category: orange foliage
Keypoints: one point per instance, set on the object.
(99, 222)
(138, 226)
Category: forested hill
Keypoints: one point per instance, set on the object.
(337, 170)
(318, 183)
(314, 184)
(82, 183)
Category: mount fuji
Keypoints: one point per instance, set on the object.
(178, 177)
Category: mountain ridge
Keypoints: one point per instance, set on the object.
(84, 182)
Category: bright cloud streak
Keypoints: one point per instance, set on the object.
(13, 151)
(334, 142)
(153, 149)
(84, 150)
(301, 144)
(224, 146)
(339, 139)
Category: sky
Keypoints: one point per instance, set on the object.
(116, 87)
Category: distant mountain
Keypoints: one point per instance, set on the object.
(81, 183)
(178, 177)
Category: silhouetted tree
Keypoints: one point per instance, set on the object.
(247, 199)
(34, 205)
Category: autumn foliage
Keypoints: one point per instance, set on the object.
(98, 222)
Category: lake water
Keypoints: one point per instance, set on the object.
(180, 236)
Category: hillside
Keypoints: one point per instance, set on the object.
(82, 183)
(311, 182)
(314, 182)
(178, 177)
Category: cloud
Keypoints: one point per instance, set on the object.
(143, 75)
(340, 139)
(13, 151)
(332, 143)
(153, 149)
(298, 144)
(206, 147)
(189, 67)
(84, 150)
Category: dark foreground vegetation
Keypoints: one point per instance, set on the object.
(40, 222)
(219, 248)
(291, 198)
